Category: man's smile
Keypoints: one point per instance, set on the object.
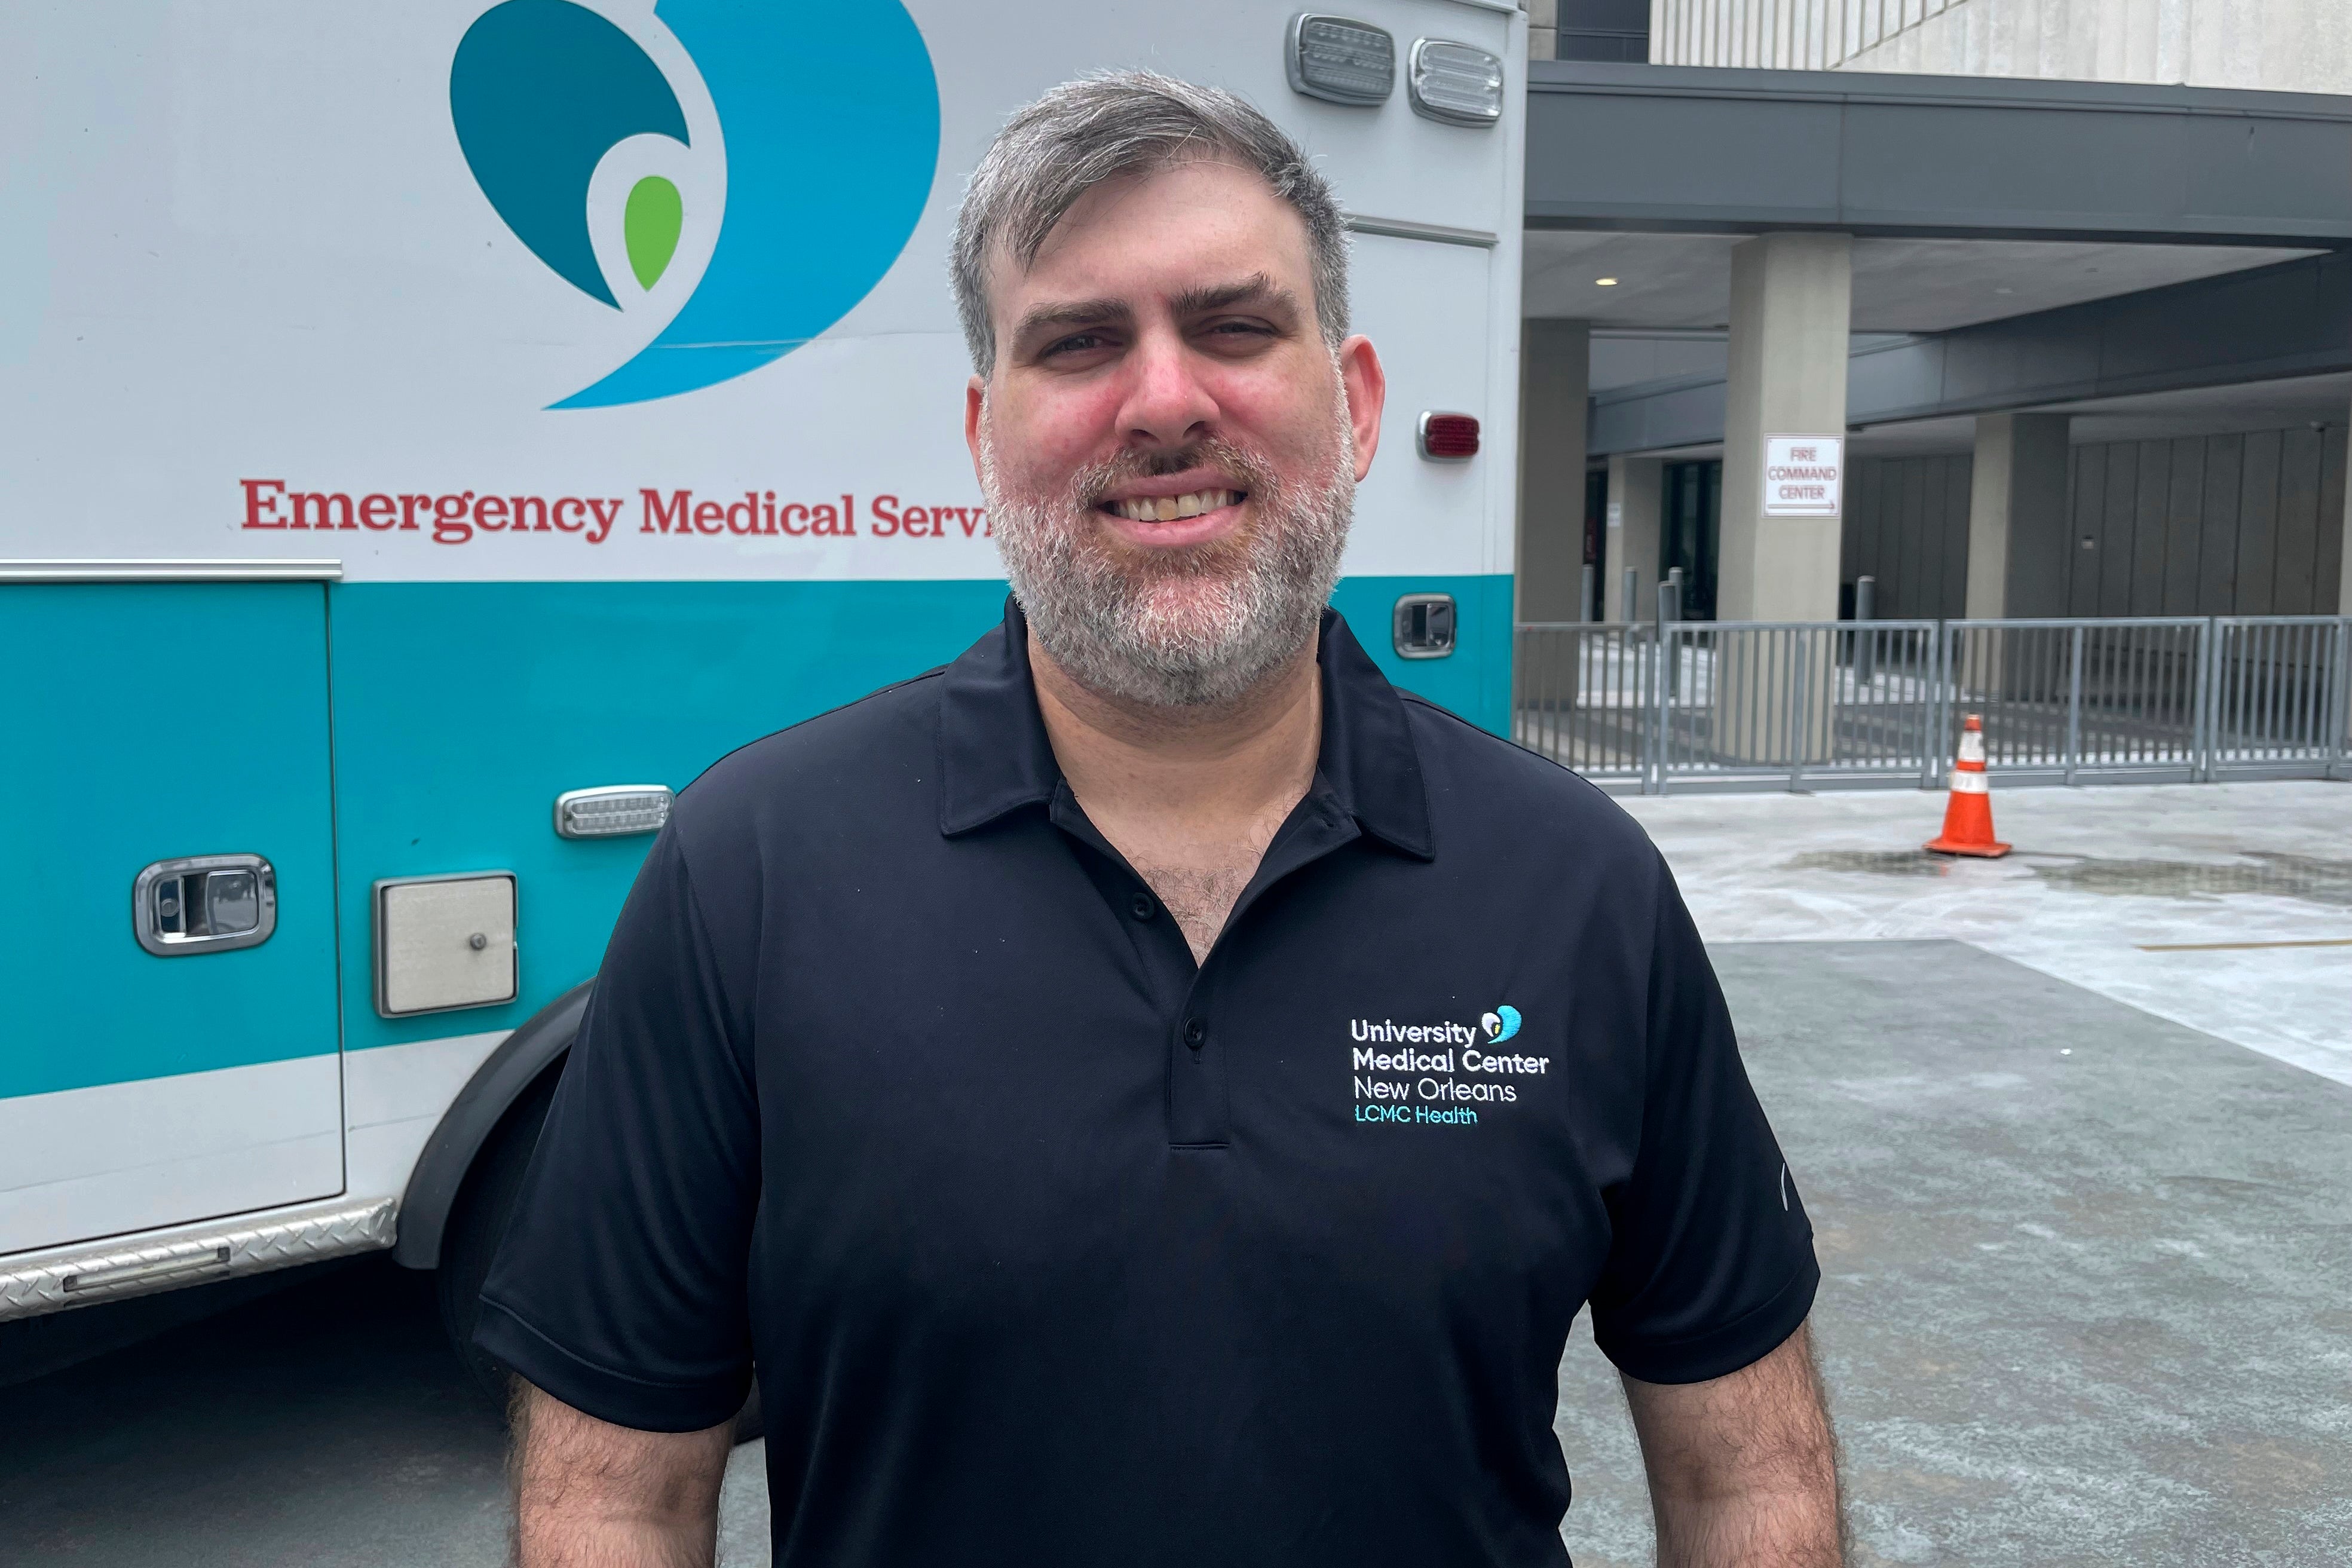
(1171, 510)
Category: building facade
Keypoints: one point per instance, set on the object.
(2085, 333)
(2277, 45)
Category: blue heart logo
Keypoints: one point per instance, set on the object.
(830, 116)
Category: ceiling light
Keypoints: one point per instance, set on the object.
(1604, 282)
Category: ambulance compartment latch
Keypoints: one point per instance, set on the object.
(1424, 626)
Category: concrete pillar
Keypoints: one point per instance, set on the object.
(1635, 488)
(1791, 314)
(2018, 526)
(1555, 378)
(1543, 23)
(2344, 571)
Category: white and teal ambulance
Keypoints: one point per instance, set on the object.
(431, 434)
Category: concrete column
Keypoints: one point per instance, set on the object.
(2017, 517)
(1635, 487)
(1791, 314)
(1543, 23)
(1555, 378)
(2344, 573)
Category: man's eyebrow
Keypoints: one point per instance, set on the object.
(1202, 300)
(1257, 288)
(1069, 313)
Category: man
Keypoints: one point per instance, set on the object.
(1176, 1118)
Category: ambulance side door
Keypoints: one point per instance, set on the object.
(169, 1046)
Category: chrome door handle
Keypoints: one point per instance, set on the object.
(203, 903)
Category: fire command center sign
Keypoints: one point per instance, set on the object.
(1803, 475)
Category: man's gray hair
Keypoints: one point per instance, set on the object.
(1098, 128)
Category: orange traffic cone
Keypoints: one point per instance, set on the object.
(1968, 815)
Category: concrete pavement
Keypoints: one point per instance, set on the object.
(2196, 902)
(2083, 1296)
(326, 1424)
(2084, 1304)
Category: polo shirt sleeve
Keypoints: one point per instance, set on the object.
(620, 1288)
(1711, 1259)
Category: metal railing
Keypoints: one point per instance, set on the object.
(1685, 705)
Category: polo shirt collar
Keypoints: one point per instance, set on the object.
(995, 758)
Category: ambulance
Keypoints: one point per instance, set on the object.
(431, 433)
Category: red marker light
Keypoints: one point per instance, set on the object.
(1449, 437)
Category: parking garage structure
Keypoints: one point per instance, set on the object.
(2085, 348)
(1951, 271)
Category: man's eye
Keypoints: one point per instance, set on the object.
(1078, 343)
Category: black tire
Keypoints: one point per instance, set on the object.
(750, 1421)
(478, 1222)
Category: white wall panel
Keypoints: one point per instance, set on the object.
(84, 1163)
(393, 1097)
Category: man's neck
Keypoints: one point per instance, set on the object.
(1190, 796)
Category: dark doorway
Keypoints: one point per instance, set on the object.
(1687, 537)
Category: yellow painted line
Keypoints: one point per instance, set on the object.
(2236, 946)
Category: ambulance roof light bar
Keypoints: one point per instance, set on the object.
(1340, 60)
(1455, 83)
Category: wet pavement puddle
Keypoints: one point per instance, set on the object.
(2277, 874)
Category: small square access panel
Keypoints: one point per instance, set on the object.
(444, 942)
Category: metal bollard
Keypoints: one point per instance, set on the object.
(1629, 596)
(1670, 610)
(1865, 644)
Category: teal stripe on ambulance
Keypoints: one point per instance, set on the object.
(459, 712)
(463, 710)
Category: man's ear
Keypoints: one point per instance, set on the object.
(1367, 386)
(975, 405)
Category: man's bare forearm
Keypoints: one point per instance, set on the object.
(1743, 1468)
(588, 1494)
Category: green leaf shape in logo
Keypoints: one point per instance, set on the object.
(650, 224)
(540, 91)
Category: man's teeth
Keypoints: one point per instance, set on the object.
(1173, 509)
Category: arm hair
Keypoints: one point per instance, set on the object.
(588, 1494)
(1743, 1467)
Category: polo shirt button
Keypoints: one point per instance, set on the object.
(1195, 1032)
(1143, 905)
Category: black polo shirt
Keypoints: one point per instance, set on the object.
(1053, 1247)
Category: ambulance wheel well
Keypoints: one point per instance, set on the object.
(449, 1155)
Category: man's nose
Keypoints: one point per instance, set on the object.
(1165, 401)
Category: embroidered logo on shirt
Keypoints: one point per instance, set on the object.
(1444, 1083)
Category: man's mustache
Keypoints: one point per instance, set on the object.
(1093, 483)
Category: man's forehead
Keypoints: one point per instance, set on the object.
(1184, 230)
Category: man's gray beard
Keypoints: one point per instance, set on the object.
(1091, 610)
